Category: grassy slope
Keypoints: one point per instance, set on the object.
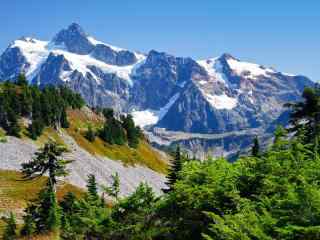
(15, 193)
(80, 120)
(143, 155)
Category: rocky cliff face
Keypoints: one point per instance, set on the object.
(211, 96)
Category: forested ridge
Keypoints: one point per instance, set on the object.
(47, 107)
(272, 193)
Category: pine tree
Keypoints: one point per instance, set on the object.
(11, 228)
(22, 80)
(47, 160)
(64, 119)
(29, 218)
(90, 134)
(174, 171)
(305, 115)
(47, 210)
(255, 151)
(35, 128)
(133, 132)
(108, 113)
(13, 126)
(114, 189)
(92, 188)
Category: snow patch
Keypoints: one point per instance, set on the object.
(35, 53)
(150, 117)
(221, 101)
(163, 111)
(96, 42)
(214, 69)
(254, 70)
(145, 118)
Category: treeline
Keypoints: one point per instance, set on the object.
(115, 130)
(43, 107)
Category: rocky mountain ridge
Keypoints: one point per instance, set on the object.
(212, 96)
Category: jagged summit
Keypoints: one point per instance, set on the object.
(74, 39)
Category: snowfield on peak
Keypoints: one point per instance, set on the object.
(36, 52)
(214, 69)
(254, 70)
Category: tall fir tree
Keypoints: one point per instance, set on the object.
(47, 160)
(114, 189)
(255, 150)
(174, 171)
(92, 188)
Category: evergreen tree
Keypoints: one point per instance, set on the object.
(11, 228)
(29, 218)
(64, 119)
(113, 132)
(174, 171)
(108, 113)
(47, 211)
(90, 134)
(22, 80)
(35, 129)
(114, 189)
(133, 132)
(92, 188)
(305, 115)
(47, 160)
(255, 151)
(13, 128)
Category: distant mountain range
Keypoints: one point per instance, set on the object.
(215, 105)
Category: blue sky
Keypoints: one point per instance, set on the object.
(282, 34)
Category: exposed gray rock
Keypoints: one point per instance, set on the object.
(16, 151)
(74, 39)
(108, 55)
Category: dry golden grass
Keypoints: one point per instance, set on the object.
(143, 155)
(49, 133)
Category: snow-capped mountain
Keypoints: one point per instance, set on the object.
(212, 96)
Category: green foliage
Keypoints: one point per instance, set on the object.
(108, 113)
(114, 189)
(255, 151)
(47, 160)
(174, 171)
(133, 132)
(44, 107)
(90, 134)
(29, 226)
(22, 81)
(112, 132)
(10, 232)
(305, 116)
(273, 194)
(92, 188)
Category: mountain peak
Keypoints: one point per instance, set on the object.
(74, 39)
(76, 28)
(227, 56)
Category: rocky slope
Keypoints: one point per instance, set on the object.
(211, 96)
(16, 151)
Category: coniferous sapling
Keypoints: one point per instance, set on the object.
(11, 228)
